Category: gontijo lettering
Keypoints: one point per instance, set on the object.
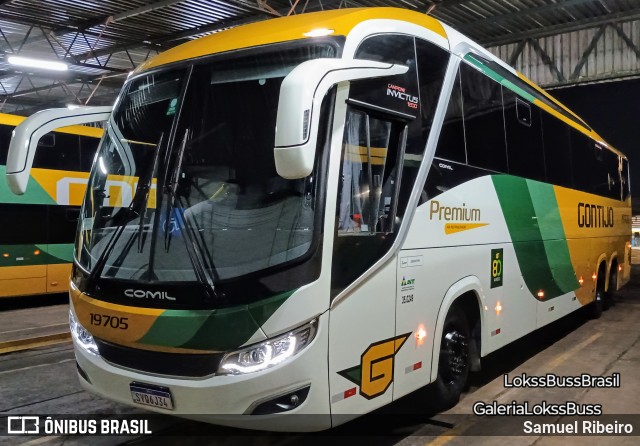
(595, 216)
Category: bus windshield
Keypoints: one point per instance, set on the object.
(184, 186)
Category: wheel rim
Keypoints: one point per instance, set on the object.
(454, 356)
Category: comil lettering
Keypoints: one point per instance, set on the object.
(142, 294)
(447, 213)
(595, 216)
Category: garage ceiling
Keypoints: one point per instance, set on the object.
(103, 40)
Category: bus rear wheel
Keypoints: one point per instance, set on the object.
(596, 307)
(454, 360)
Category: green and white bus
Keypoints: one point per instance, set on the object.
(320, 214)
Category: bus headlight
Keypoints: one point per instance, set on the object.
(269, 353)
(82, 337)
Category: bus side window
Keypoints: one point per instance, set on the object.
(611, 163)
(60, 151)
(557, 153)
(88, 148)
(451, 141)
(483, 120)
(590, 174)
(624, 178)
(5, 139)
(369, 175)
(524, 137)
(368, 187)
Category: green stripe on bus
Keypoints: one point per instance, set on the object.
(535, 253)
(223, 329)
(498, 78)
(553, 235)
(35, 193)
(29, 255)
(61, 251)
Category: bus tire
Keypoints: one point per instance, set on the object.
(454, 361)
(596, 307)
(613, 282)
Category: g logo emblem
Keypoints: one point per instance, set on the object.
(374, 375)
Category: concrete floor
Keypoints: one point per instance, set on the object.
(43, 381)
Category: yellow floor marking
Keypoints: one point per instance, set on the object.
(451, 434)
(564, 356)
(39, 341)
(35, 328)
(41, 440)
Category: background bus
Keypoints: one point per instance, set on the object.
(37, 229)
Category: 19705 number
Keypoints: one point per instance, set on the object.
(105, 320)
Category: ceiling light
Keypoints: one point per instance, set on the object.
(37, 63)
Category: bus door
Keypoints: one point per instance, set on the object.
(362, 340)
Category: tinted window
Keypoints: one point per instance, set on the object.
(557, 151)
(59, 151)
(432, 64)
(611, 163)
(483, 119)
(398, 93)
(23, 224)
(5, 139)
(524, 137)
(63, 223)
(625, 179)
(88, 147)
(451, 141)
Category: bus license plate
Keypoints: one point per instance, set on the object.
(149, 395)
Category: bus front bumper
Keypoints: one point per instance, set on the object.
(229, 400)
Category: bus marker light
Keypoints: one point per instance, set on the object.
(350, 392)
(420, 335)
(5, 254)
(620, 268)
(37, 252)
(417, 365)
(540, 294)
(498, 308)
(319, 32)
(495, 332)
(580, 280)
(594, 277)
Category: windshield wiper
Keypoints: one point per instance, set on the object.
(102, 259)
(145, 191)
(193, 248)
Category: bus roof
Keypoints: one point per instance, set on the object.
(82, 130)
(284, 29)
(342, 21)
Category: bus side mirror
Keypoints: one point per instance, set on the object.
(25, 138)
(301, 95)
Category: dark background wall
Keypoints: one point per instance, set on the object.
(613, 110)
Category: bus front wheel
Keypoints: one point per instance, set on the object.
(454, 360)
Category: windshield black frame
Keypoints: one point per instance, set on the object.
(248, 287)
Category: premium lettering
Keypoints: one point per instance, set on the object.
(447, 213)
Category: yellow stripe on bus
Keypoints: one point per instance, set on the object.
(82, 130)
(283, 29)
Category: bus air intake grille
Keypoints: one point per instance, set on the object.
(174, 364)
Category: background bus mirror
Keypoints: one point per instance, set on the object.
(26, 136)
(301, 95)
